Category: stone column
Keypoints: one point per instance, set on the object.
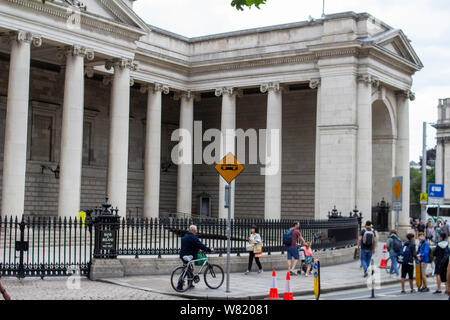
(152, 166)
(439, 161)
(364, 144)
(119, 115)
(227, 143)
(402, 155)
(336, 138)
(72, 130)
(273, 170)
(15, 152)
(185, 155)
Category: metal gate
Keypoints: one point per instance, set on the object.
(44, 247)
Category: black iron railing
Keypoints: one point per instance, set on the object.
(163, 236)
(45, 247)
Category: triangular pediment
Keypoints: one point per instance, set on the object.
(112, 10)
(397, 43)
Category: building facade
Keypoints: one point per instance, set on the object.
(91, 91)
(443, 147)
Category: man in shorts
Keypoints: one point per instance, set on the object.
(409, 256)
(292, 250)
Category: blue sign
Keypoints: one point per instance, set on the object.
(436, 191)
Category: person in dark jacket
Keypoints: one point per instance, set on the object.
(190, 245)
(440, 253)
(409, 255)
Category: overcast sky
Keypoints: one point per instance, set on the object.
(425, 22)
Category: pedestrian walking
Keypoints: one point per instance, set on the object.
(309, 258)
(394, 246)
(445, 229)
(367, 244)
(5, 294)
(254, 246)
(441, 253)
(447, 277)
(421, 227)
(423, 255)
(430, 233)
(290, 240)
(409, 255)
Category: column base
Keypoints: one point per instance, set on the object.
(403, 230)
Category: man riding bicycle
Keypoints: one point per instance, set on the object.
(190, 245)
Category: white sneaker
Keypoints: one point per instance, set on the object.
(294, 272)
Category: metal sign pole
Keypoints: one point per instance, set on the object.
(228, 205)
(397, 217)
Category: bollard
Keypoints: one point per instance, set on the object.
(316, 273)
(373, 279)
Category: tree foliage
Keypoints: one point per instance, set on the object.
(241, 4)
(416, 183)
(238, 4)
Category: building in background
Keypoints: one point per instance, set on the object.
(94, 93)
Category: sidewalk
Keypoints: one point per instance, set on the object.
(254, 286)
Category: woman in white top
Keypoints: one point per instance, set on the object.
(254, 238)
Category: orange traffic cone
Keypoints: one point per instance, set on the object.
(288, 295)
(384, 257)
(273, 295)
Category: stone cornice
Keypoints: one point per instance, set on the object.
(90, 22)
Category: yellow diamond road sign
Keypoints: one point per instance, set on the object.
(397, 189)
(229, 168)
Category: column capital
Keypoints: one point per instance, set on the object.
(156, 87)
(121, 63)
(314, 83)
(406, 94)
(228, 91)
(74, 51)
(107, 80)
(187, 95)
(368, 79)
(272, 86)
(23, 36)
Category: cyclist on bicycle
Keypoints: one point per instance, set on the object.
(190, 245)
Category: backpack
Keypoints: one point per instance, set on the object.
(397, 245)
(287, 238)
(368, 236)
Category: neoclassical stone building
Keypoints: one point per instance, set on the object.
(443, 147)
(94, 89)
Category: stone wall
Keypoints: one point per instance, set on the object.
(46, 100)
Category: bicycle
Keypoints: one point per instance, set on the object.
(183, 277)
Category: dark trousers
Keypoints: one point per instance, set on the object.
(250, 261)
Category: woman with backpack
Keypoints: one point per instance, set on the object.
(394, 247)
(441, 253)
(254, 246)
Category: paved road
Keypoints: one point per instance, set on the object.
(387, 292)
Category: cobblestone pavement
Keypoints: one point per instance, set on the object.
(56, 289)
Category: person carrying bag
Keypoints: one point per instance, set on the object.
(254, 247)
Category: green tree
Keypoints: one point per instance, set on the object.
(416, 183)
(238, 4)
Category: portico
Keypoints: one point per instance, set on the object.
(330, 107)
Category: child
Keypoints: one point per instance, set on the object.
(309, 258)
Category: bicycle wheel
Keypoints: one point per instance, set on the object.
(214, 276)
(180, 279)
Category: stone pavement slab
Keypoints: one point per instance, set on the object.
(257, 286)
